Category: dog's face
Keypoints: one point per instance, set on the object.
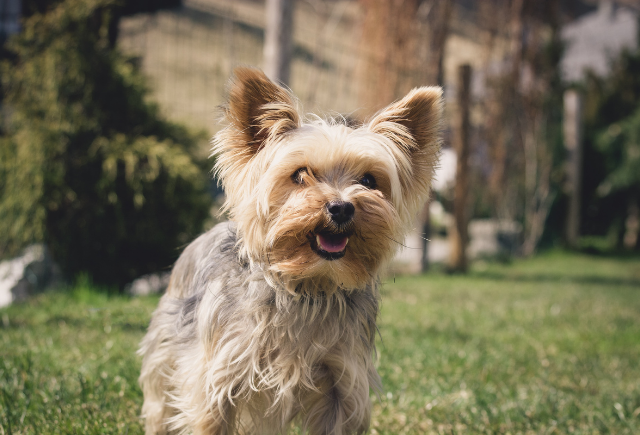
(321, 205)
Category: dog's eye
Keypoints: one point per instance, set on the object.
(297, 176)
(368, 180)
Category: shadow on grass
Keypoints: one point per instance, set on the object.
(559, 278)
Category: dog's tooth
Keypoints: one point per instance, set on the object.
(347, 242)
(318, 241)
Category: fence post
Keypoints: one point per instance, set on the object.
(572, 130)
(277, 41)
(425, 219)
(460, 234)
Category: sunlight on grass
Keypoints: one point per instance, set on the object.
(68, 363)
(545, 345)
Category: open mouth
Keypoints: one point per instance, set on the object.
(330, 246)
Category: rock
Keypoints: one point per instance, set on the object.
(487, 238)
(149, 284)
(32, 272)
(493, 238)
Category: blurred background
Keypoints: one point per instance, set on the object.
(527, 321)
(108, 107)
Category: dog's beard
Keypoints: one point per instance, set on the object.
(307, 251)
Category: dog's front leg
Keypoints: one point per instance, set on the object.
(342, 405)
(219, 419)
(205, 402)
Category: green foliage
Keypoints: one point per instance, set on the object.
(620, 144)
(547, 345)
(612, 126)
(88, 165)
(613, 98)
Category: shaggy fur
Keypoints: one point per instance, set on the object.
(270, 319)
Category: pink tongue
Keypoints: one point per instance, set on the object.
(332, 243)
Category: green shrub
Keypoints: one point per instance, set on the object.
(87, 164)
(620, 144)
(611, 185)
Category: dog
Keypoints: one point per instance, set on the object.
(269, 320)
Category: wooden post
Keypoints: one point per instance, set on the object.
(459, 234)
(573, 144)
(632, 225)
(425, 218)
(277, 41)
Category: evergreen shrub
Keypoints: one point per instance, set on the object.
(87, 164)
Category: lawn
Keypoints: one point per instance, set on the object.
(546, 345)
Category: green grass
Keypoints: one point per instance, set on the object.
(547, 345)
(68, 363)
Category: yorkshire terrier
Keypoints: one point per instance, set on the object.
(270, 320)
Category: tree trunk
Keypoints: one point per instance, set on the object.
(573, 143)
(459, 235)
(388, 47)
(503, 118)
(439, 20)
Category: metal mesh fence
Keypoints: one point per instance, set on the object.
(190, 52)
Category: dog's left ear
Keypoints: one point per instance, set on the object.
(413, 124)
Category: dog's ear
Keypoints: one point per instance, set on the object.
(258, 109)
(413, 124)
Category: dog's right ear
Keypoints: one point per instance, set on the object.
(258, 110)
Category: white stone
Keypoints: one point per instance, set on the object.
(149, 284)
(22, 276)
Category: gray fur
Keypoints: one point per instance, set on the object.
(257, 330)
(261, 356)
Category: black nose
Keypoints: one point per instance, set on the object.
(340, 211)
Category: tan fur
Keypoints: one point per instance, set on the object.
(257, 330)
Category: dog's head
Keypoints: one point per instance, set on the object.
(320, 205)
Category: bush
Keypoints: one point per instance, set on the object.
(87, 165)
(611, 189)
